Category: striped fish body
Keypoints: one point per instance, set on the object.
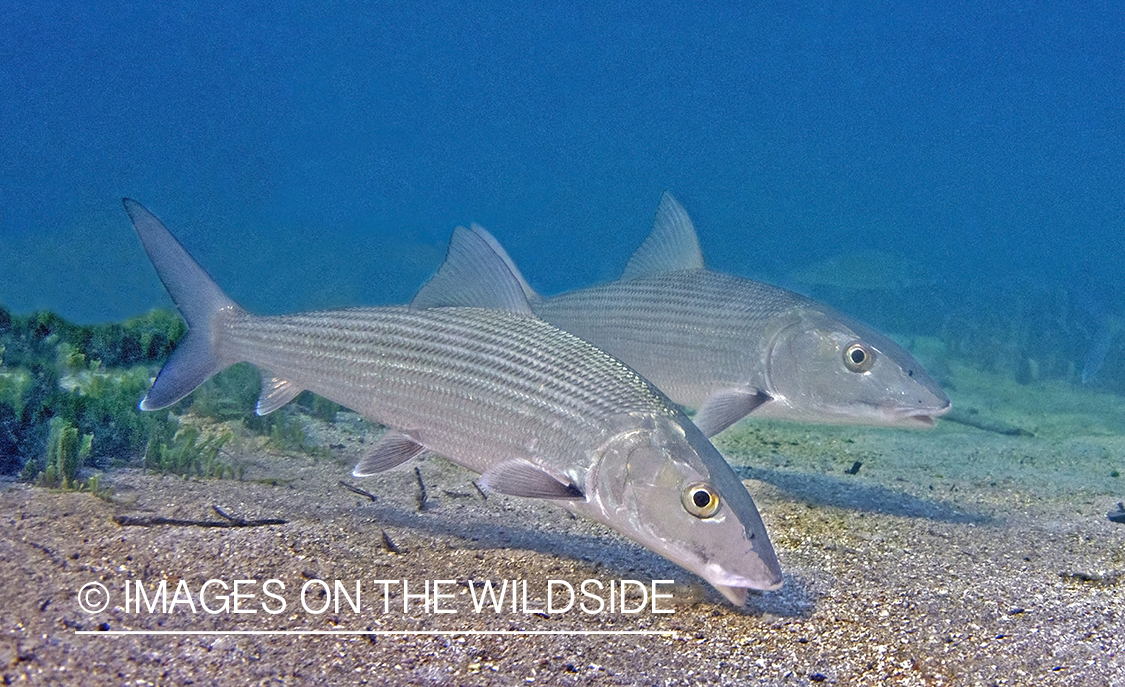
(474, 385)
(730, 347)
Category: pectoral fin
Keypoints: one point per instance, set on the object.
(726, 407)
(736, 595)
(521, 478)
(392, 449)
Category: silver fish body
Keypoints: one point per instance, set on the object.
(536, 410)
(450, 378)
(730, 346)
(699, 334)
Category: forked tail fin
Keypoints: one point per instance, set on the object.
(199, 300)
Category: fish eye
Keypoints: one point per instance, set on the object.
(858, 357)
(701, 500)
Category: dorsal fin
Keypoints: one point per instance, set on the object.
(672, 245)
(499, 250)
(473, 275)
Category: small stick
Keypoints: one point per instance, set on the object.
(421, 490)
(228, 521)
(357, 490)
(483, 496)
(223, 515)
(389, 544)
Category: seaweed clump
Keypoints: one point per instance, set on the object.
(66, 453)
(62, 383)
(190, 454)
(52, 369)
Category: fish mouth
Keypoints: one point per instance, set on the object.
(885, 416)
(737, 594)
(907, 416)
(923, 418)
(736, 588)
(916, 420)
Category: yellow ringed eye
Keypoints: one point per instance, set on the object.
(859, 357)
(701, 500)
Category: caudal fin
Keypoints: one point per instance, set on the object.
(199, 299)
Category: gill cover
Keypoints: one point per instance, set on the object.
(656, 483)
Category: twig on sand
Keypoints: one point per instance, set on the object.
(357, 490)
(421, 490)
(483, 496)
(389, 543)
(227, 521)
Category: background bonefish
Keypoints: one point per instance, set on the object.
(731, 346)
(539, 412)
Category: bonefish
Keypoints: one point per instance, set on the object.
(538, 412)
(731, 347)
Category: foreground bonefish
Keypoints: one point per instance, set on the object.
(730, 346)
(539, 412)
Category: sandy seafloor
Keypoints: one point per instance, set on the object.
(957, 556)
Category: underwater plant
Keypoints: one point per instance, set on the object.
(66, 453)
(189, 454)
(319, 406)
(59, 379)
(288, 435)
(229, 395)
(149, 338)
(232, 395)
(51, 369)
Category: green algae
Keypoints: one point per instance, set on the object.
(191, 454)
(61, 382)
(66, 453)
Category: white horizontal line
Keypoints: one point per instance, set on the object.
(383, 633)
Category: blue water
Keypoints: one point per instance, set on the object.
(318, 155)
